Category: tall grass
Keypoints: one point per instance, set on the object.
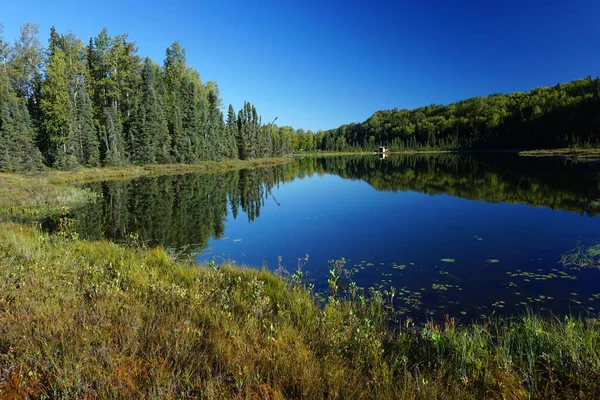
(96, 320)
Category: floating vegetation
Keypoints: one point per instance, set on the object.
(442, 286)
(528, 276)
(442, 272)
(448, 260)
(499, 304)
(237, 240)
(403, 266)
(582, 257)
(492, 261)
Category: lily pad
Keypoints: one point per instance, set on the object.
(448, 260)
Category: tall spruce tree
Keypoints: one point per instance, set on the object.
(17, 148)
(231, 129)
(88, 148)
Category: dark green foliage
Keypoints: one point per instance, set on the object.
(546, 117)
(253, 139)
(112, 134)
(88, 148)
(17, 149)
(151, 141)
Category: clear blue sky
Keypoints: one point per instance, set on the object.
(321, 63)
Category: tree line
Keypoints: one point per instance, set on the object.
(565, 115)
(70, 104)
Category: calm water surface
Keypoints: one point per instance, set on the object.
(463, 235)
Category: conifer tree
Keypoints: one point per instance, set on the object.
(17, 148)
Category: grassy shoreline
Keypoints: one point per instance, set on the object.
(83, 319)
(92, 319)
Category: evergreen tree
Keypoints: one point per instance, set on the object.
(89, 145)
(17, 148)
(231, 129)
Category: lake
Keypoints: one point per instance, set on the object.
(463, 235)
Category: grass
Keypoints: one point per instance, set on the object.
(85, 319)
(30, 196)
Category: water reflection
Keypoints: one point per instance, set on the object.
(187, 210)
(452, 233)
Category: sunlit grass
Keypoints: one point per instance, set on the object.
(85, 319)
(31, 196)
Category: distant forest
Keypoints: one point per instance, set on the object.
(565, 115)
(70, 104)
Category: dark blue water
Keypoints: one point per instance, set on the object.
(462, 235)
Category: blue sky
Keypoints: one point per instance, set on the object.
(319, 64)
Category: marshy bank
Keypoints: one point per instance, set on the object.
(97, 320)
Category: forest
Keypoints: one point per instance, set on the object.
(70, 104)
(565, 115)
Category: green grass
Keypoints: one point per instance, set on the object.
(85, 319)
(30, 196)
